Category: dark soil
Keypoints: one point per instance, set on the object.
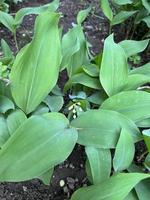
(71, 171)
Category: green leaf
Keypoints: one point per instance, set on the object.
(51, 7)
(123, 2)
(140, 15)
(147, 162)
(75, 50)
(142, 188)
(82, 15)
(146, 4)
(14, 120)
(101, 128)
(115, 188)
(133, 104)
(57, 91)
(97, 98)
(4, 133)
(124, 152)
(6, 49)
(105, 6)
(145, 70)
(46, 177)
(71, 44)
(47, 141)
(91, 69)
(7, 20)
(41, 109)
(132, 47)
(136, 80)
(121, 17)
(55, 103)
(146, 134)
(33, 77)
(100, 164)
(85, 80)
(147, 21)
(144, 123)
(5, 104)
(113, 72)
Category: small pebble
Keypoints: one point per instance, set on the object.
(24, 188)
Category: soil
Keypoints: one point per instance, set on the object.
(72, 171)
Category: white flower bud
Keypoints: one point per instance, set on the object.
(62, 183)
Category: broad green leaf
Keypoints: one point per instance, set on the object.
(74, 50)
(4, 133)
(124, 152)
(46, 177)
(100, 163)
(82, 15)
(55, 103)
(35, 71)
(101, 128)
(140, 16)
(145, 123)
(146, 134)
(136, 80)
(6, 49)
(133, 104)
(85, 80)
(122, 16)
(142, 188)
(147, 162)
(51, 7)
(57, 91)
(113, 72)
(70, 45)
(15, 119)
(115, 188)
(41, 109)
(5, 104)
(145, 70)
(146, 4)
(91, 69)
(107, 9)
(132, 47)
(123, 2)
(147, 21)
(97, 98)
(7, 20)
(46, 141)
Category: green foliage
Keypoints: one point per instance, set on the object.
(116, 188)
(118, 11)
(27, 76)
(12, 23)
(4, 6)
(124, 153)
(107, 105)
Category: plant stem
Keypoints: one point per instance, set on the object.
(15, 39)
(133, 31)
(141, 157)
(109, 32)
